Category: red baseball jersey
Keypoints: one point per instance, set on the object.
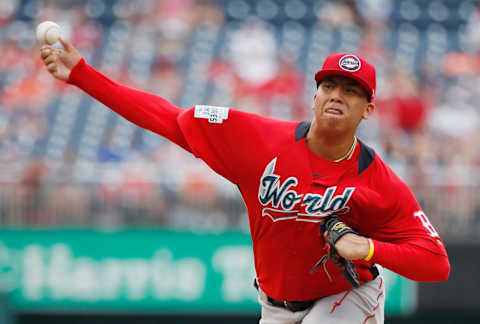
(288, 191)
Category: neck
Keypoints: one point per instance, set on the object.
(333, 147)
(349, 154)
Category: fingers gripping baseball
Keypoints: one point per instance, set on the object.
(60, 62)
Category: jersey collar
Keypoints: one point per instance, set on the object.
(365, 158)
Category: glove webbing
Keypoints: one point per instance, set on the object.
(334, 229)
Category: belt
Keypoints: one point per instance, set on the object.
(374, 271)
(293, 306)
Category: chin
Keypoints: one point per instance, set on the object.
(334, 117)
(333, 123)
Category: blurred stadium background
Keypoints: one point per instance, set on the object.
(92, 207)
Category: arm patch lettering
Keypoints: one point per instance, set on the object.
(215, 115)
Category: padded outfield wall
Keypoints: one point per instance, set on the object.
(154, 272)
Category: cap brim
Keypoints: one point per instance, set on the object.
(322, 74)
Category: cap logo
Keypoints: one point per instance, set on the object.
(349, 63)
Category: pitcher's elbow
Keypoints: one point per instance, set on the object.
(443, 270)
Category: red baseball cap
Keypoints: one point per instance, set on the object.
(352, 66)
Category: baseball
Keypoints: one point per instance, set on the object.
(48, 32)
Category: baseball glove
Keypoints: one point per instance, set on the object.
(333, 230)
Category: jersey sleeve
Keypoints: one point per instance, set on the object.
(407, 242)
(144, 109)
(230, 141)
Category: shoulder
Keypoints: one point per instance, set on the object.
(246, 123)
(379, 171)
(262, 121)
(218, 114)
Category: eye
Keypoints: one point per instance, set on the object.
(327, 85)
(351, 90)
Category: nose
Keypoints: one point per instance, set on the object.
(336, 94)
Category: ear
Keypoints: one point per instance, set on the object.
(314, 99)
(368, 110)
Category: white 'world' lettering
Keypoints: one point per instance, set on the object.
(282, 197)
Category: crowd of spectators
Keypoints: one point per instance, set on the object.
(230, 53)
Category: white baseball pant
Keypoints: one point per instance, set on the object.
(362, 305)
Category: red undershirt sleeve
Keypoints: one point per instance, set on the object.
(141, 108)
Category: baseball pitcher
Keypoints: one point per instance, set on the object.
(325, 212)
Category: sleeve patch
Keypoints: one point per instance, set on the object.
(215, 115)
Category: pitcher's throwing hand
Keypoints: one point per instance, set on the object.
(60, 62)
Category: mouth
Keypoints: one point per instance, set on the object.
(334, 111)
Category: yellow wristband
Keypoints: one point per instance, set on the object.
(372, 249)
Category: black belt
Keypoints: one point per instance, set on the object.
(298, 306)
(293, 306)
(374, 271)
